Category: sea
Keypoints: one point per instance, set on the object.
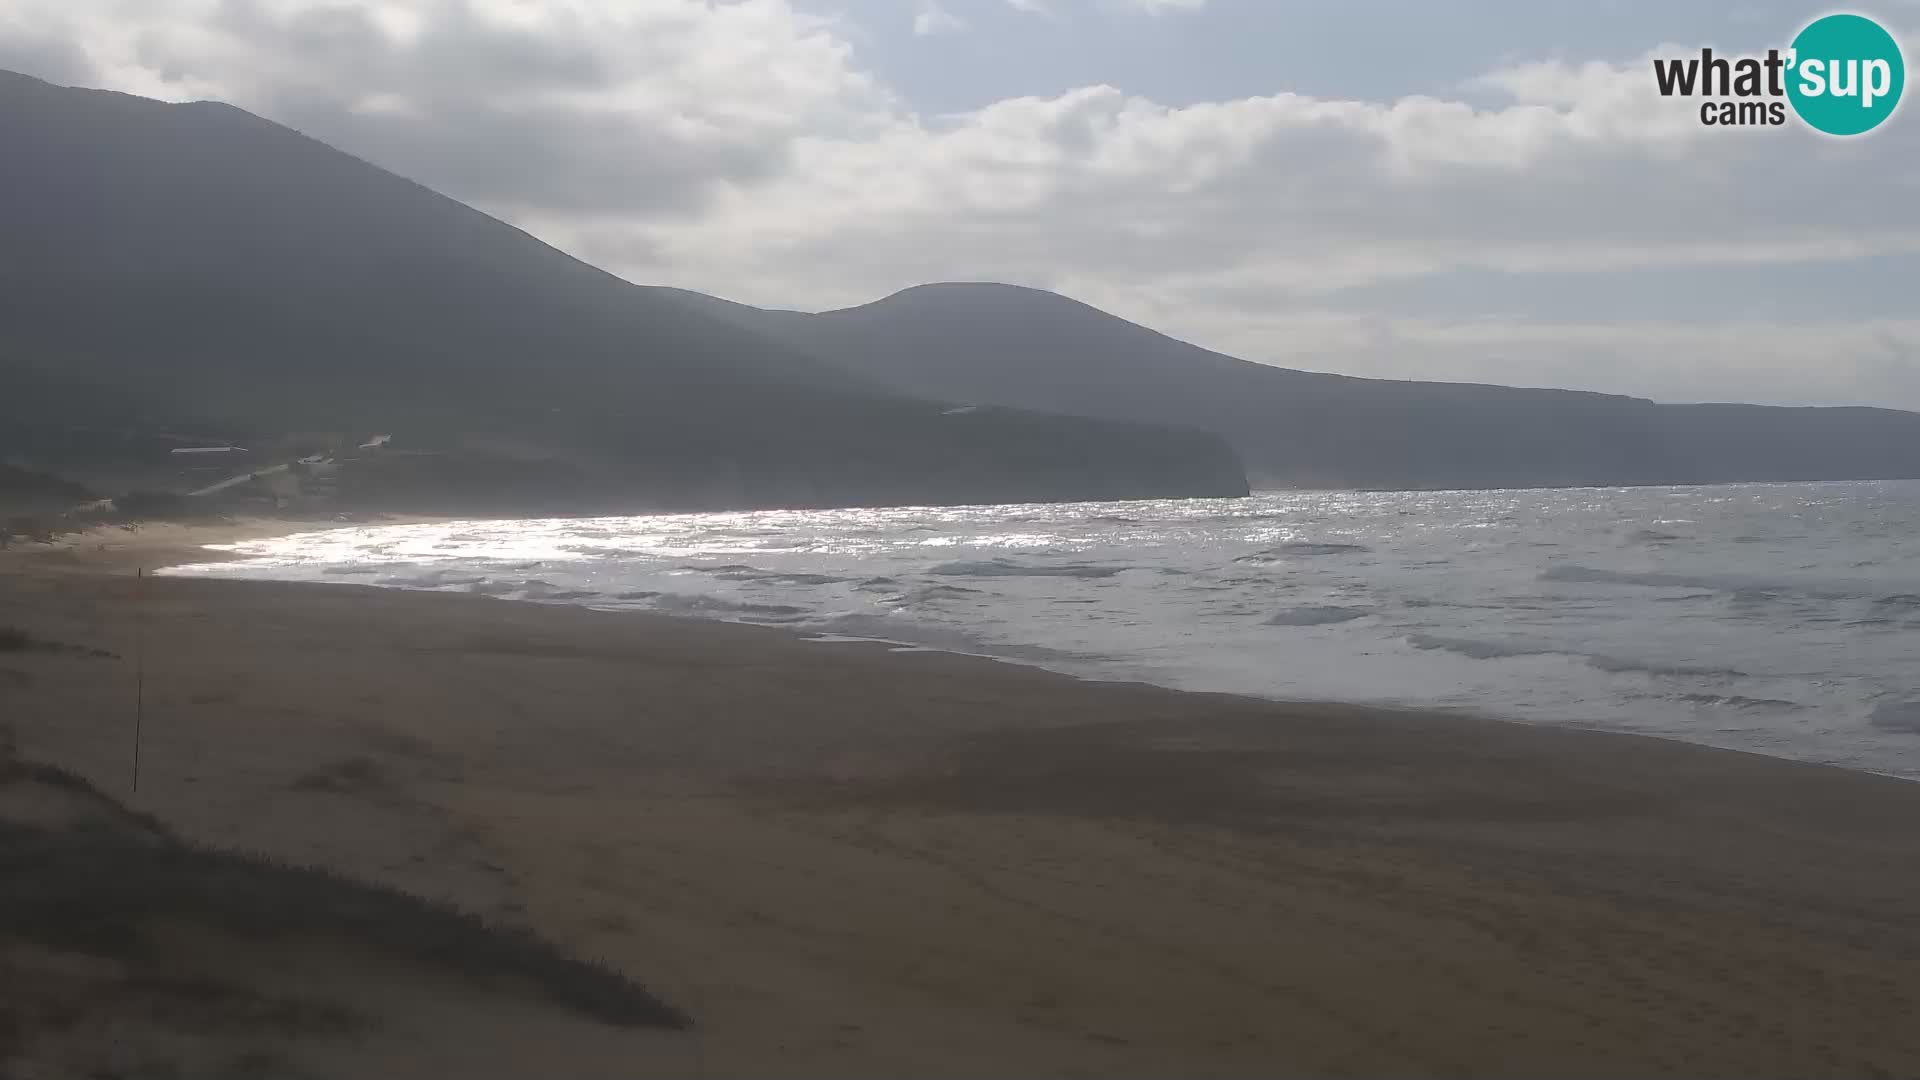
(1782, 619)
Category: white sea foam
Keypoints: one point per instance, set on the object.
(1778, 618)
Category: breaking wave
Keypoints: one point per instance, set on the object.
(1302, 550)
(1630, 608)
(1009, 568)
(1317, 616)
(1504, 650)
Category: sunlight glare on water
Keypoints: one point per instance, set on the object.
(1779, 618)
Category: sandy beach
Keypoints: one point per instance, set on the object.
(844, 861)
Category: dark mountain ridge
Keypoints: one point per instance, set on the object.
(1008, 345)
(194, 264)
(197, 267)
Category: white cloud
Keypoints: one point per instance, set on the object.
(742, 149)
(933, 19)
(575, 105)
(1303, 195)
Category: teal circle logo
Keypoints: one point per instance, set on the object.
(1846, 75)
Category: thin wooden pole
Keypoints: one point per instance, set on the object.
(139, 666)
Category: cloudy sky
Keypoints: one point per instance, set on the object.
(1483, 191)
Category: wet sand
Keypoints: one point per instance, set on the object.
(844, 861)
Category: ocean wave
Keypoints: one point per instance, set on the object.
(436, 579)
(1811, 602)
(1317, 616)
(1235, 519)
(1301, 550)
(741, 572)
(1896, 716)
(695, 604)
(1739, 701)
(543, 590)
(1009, 568)
(528, 590)
(1478, 649)
(1655, 667)
(598, 552)
(718, 571)
(945, 639)
(1588, 575)
(1751, 589)
(939, 592)
(802, 579)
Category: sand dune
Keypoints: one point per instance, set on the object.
(847, 862)
(127, 952)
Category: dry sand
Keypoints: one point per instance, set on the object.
(848, 862)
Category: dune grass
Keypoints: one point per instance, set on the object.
(94, 889)
(15, 640)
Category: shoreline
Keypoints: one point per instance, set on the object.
(889, 646)
(159, 545)
(175, 555)
(860, 862)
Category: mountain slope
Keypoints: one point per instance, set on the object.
(1014, 346)
(197, 264)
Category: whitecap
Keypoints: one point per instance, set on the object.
(1009, 568)
(1303, 550)
(1317, 616)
